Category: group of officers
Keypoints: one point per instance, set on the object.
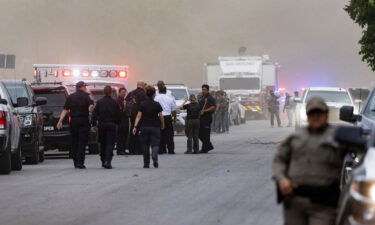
(117, 124)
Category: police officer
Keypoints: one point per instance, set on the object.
(169, 106)
(107, 112)
(208, 105)
(274, 108)
(123, 128)
(78, 105)
(133, 100)
(307, 169)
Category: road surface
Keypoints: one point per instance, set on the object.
(230, 186)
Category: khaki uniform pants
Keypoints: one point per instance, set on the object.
(300, 211)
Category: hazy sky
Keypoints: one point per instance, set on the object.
(314, 40)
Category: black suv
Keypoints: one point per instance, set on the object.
(29, 112)
(56, 95)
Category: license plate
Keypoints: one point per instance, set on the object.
(49, 128)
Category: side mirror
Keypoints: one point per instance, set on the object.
(22, 101)
(347, 114)
(3, 101)
(298, 100)
(40, 101)
(353, 136)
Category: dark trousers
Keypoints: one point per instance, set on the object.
(107, 139)
(205, 133)
(150, 137)
(135, 147)
(79, 129)
(275, 113)
(122, 134)
(192, 134)
(167, 136)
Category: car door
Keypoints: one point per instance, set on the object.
(367, 120)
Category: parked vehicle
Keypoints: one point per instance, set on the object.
(29, 112)
(56, 95)
(357, 202)
(10, 151)
(334, 96)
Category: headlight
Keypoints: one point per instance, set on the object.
(27, 120)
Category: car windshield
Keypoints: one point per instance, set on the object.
(55, 98)
(179, 94)
(17, 91)
(245, 83)
(330, 96)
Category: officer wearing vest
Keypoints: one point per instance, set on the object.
(192, 124)
(307, 169)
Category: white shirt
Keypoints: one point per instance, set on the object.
(169, 93)
(167, 102)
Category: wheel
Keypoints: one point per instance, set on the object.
(41, 156)
(5, 161)
(17, 160)
(34, 158)
(94, 149)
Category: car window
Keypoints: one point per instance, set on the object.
(330, 96)
(17, 91)
(179, 94)
(370, 108)
(55, 97)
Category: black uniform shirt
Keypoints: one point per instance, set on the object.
(150, 113)
(78, 104)
(136, 96)
(106, 110)
(124, 115)
(210, 102)
(193, 110)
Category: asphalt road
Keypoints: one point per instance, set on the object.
(230, 186)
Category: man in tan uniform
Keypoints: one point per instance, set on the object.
(307, 169)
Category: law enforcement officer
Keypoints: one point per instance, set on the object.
(208, 105)
(123, 128)
(133, 100)
(78, 105)
(192, 124)
(107, 112)
(274, 108)
(168, 104)
(307, 169)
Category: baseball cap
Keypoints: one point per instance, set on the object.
(80, 84)
(316, 103)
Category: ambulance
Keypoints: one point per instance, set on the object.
(56, 81)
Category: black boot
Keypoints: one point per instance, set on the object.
(107, 165)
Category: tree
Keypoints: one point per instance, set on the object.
(363, 13)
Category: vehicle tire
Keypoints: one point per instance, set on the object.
(34, 158)
(17, 160)
(6, 162)
(94, 149)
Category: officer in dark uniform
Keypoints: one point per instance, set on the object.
(107, 112)
(133, 100)
(78, 105)
(123, 128)
(208, 105)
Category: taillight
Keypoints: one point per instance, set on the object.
(3, 120)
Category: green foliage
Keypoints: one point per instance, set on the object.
(363, 13)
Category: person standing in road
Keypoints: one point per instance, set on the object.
(273, 108)
(226, 112)
(78, 105)
(123, 128)
(288, 107)
(307, 168)
(107, 112)
(133, 100)
(149, 121)
(219, 117)
(192, 124)
(208, 105)
(169, 112)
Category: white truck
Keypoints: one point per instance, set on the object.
(249, 78)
